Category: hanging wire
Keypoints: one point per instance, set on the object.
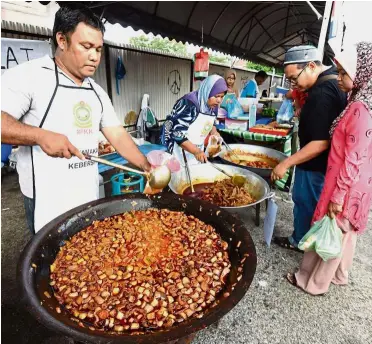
(202, 32)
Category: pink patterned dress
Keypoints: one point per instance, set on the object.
(348, 180)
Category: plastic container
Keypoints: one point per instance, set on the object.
(281, 90)
(127, 182)
(252, 115)
(6, 150)
(235, 124)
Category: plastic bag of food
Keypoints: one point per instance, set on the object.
(159, 158)
(214, 146)
(231, 104)
(325, 238)
(285, 113)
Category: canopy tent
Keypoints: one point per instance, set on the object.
(259, 31)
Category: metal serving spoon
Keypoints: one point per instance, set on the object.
(158, 178)
(238, 180)
(192, 193)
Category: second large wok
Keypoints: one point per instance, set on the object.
(205, 173)
(41, 251)
(263, 172)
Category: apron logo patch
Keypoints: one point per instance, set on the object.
(83, 115)
(207, 128)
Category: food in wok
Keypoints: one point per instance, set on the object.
(224, 193)
(256, 160)
(140, 270)
(105, 148)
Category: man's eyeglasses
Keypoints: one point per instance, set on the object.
(294, 80)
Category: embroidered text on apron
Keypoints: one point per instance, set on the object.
(196, 134)
(62, 184)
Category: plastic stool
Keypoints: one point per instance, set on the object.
(127, 182)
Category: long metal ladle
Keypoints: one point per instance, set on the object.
(188, 174)
(158, 178)
(238, 180)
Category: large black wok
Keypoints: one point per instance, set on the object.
(39, 254)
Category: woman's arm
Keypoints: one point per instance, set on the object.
(214, 131)
(193, 149)
(358, 139)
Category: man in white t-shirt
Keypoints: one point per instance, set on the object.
(54, 111)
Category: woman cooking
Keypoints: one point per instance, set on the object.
(192, 119)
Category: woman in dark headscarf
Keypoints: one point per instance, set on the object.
(192, 119)
(347, 191)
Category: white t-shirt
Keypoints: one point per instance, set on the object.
(26, 91)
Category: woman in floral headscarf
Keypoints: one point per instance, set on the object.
(347, 192)
(192, 120)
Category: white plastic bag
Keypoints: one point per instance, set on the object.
(214, 146)
(285, 113)
(159, 158)
(325, 238)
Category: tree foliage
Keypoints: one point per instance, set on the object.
(218, 59)
(165, 45)
(159, 44)
(265, 68)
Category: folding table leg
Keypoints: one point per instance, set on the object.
(258, 211)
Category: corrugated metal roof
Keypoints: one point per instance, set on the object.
(43, 31)
(241, 28)
(20, 27)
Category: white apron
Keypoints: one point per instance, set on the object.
(196, 134)
(62, 184)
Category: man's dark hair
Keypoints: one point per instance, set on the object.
(261, 74)
(304, 64)
(67, 19)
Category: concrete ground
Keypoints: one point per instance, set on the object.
(272, 311)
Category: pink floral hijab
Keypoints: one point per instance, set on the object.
(362, 87)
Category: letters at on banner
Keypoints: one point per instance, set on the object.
(17, 51)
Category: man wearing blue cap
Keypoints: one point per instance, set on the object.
(325, 101)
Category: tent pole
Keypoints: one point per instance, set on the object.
(324, 29)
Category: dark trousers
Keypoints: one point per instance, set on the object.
(30, 212)
(307, 188)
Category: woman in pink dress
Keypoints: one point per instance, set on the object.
(347, 192)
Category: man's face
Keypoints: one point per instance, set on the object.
(81, 52)
(302, 78)
(260, 81)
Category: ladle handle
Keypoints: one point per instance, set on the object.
(269, 195)
(229, 148)
(188, 171)
(112, 164)
(219, 169)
